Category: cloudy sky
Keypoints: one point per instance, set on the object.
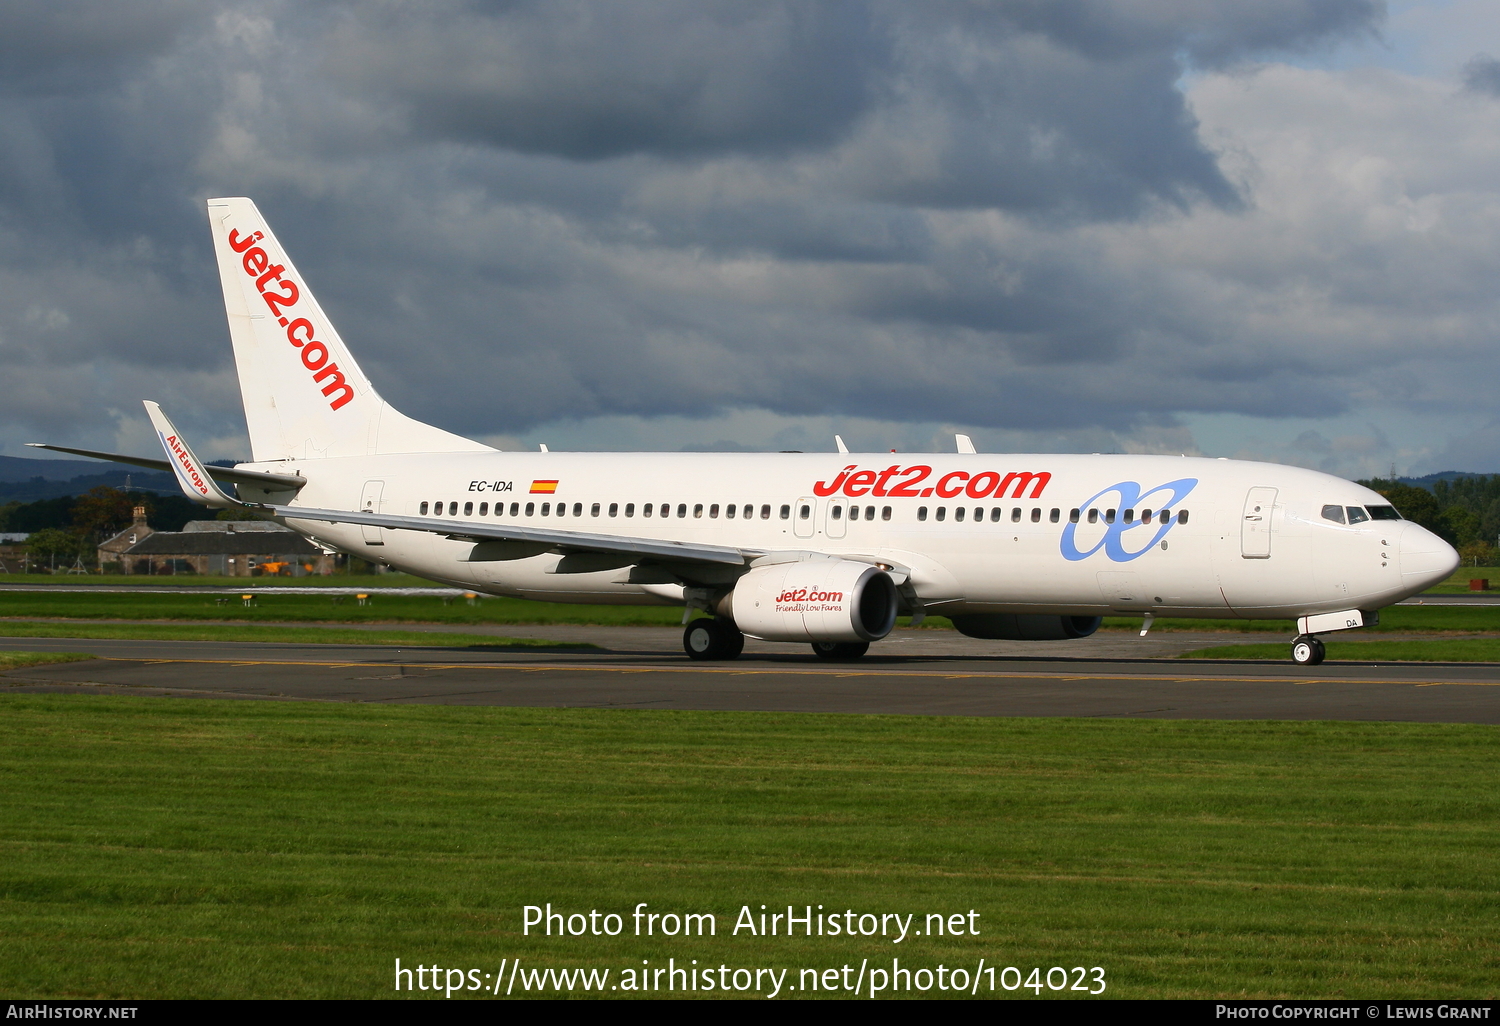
(1268, 230)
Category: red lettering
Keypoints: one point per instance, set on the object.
(859, 483)
(828, 489)
(256, 261)
(337, 384)
(1022, 480)
(978, 490)
(944, 491)
(240, 245)
(291, 331)
(885, 475)
(911, 477)
(273, 271)
(314, 347)
(275, 300)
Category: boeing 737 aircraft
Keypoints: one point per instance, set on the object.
(826, 549)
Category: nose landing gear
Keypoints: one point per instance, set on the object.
(1307, 651)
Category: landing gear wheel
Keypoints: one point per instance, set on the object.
(712, 639)
(840, 651)
(1307, 651)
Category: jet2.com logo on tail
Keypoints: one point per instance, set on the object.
(1113, 542)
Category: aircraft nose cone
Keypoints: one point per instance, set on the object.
(1425, 558)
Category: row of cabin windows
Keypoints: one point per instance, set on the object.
(804, 511)
(1162, 516)
(560, 509)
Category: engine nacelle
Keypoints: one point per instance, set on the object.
(814, 600)
(1025, 626)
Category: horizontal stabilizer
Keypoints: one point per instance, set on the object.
(258, 478)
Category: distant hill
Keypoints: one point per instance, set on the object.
(1428, 480)
(23, 480)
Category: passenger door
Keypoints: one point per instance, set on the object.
(833, 523)
(804, 515)
(1255, 527)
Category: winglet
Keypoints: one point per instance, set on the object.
(840, 443)
(965, 444)
(192, 476)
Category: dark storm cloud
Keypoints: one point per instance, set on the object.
(1482, 75)
(527, 211)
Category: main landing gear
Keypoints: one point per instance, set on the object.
(1307, 651)
(707, 638)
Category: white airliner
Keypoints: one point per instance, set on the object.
(826, 549)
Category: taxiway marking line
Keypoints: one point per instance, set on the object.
(778, 671)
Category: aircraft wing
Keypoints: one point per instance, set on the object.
(258, 478)
(551, 540)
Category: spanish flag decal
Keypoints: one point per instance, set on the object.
(543, 487)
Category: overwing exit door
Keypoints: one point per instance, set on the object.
(369, 502)
(1255, 528)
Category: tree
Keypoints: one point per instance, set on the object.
(55, 547)
(1477, 553)
(102, 512)
(1417, 505)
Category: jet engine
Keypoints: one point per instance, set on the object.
(837, 600)
(1025, 626)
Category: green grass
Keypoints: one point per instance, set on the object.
(175, 848)
(16, 660)
(1459, 582)
(323, 608)
(271, 633)
(389, 580)
(1448, 650)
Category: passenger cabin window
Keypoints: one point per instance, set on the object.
(942, 512)
(645, 510)
(804, 511)
(1357, 515)
(578, 509)
(614, 509)
(836, 512)
(682, 510)
(1036, 515)
(1130, 516)
(1383, 513)
(484, 509)
(1093, 516)
(958, 515)
(1015, 515)
(1072, 516)
(594, 510)
(921, 512)
(468, 509)
(885, 513)
(750, 511)
(453, 509)
(630, 509)
(1109, 516)
(1165, 517)
(1055, 515)
(713, 511)
(514, 507)
(530, 508)
(1182, 516)
(422, 509)
(786, 512)
(729, 511)
(995, 515)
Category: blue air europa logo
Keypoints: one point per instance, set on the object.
(1165, 496)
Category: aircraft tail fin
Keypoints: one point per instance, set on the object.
(305, 396)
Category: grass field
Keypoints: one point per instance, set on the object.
(271, 633)
(415, 609)
(1448, 650)
(174, 848)
(390, 580)
(16, 660)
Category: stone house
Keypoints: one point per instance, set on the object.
(232, 548)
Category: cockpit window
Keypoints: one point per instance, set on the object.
(1334, 513)
(1383, 513)
(1357, 515)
